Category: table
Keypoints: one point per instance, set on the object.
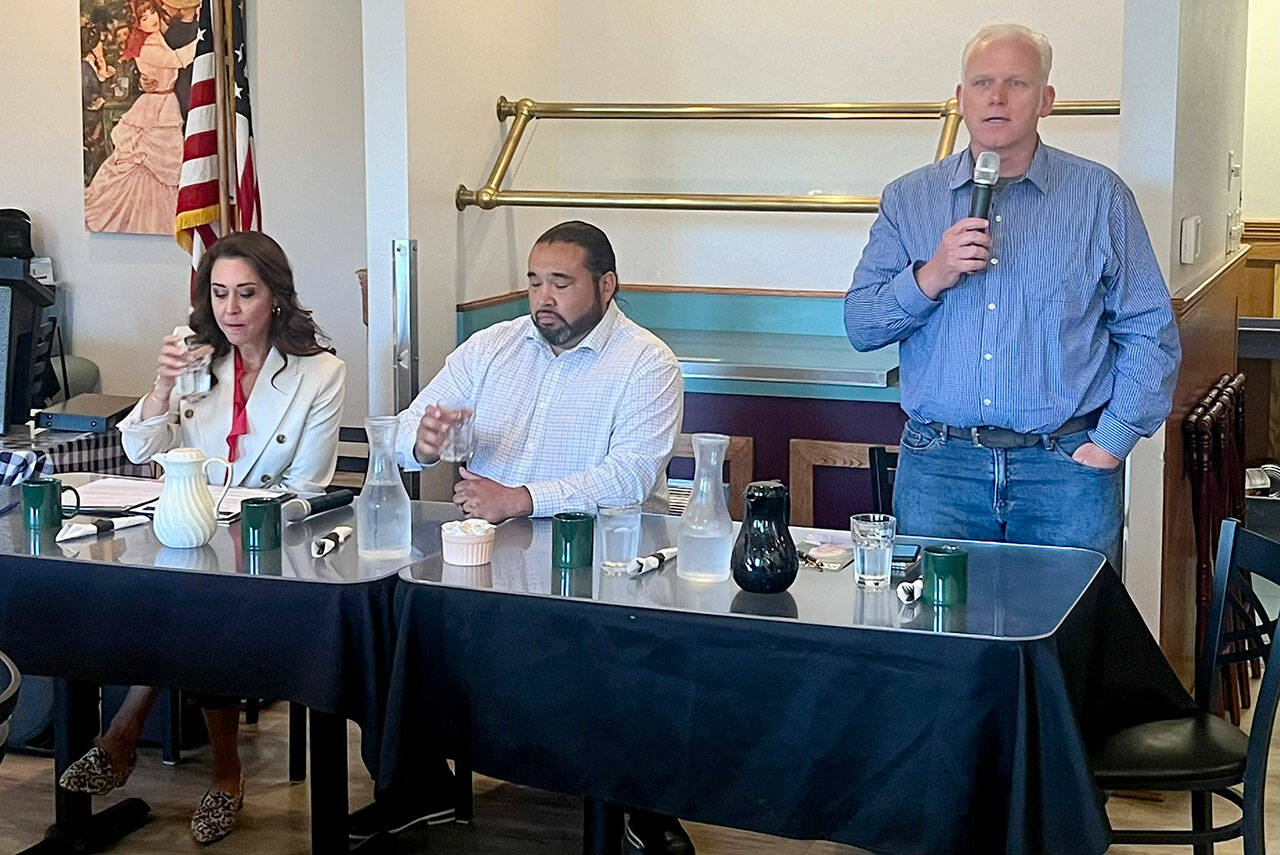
(123, 609)
(27, 451)
(823, 712)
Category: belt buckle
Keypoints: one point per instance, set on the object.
(977, 437)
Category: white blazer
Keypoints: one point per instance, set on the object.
(293, 423)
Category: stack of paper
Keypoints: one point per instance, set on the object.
(116, 495)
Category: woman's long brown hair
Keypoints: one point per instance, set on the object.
(292, 331)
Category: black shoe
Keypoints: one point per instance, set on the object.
(392, 816)
(645, 833)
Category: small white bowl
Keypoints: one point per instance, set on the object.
(464, 548)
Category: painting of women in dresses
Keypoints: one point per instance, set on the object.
(136, 58)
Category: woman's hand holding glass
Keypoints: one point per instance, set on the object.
(172, 367)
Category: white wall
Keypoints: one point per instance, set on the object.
(1183, 107)
(458, 59)
(1211, 82)
(308, 111)
(786, 50)
(1262, 113)
(722, 50)
(127, 291)
(461, 58)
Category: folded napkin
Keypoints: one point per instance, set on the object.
(72, 530)
(909, 592)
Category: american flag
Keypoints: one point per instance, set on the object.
(196, 222)
(244, 189)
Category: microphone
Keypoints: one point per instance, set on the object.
(985, 173)
(297, 509)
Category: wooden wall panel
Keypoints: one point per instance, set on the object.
(1262, 293)
(1206, 315)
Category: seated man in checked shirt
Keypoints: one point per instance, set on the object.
(573, 404)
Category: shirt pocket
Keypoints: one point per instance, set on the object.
(1069, 266)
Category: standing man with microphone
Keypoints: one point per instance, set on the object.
(1037, 344)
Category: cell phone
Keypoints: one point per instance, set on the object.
(905, 554)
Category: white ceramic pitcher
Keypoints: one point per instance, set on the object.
(186, 515)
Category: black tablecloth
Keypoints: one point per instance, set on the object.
(328, 646)
(895, 741)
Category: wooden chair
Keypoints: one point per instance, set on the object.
(807, 454)
(1213, 438)
(740, 458)
(1204, 754)
(884, 470)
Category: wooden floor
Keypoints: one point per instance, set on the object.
(509, 818)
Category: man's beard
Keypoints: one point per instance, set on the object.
(561, 332)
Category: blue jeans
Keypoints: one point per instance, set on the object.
(948, 487)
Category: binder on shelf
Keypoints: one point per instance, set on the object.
(86, 412)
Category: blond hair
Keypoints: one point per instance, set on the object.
(1010, 32)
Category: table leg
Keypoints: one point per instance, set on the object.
(601, 827)
(172, 708)
(464, 792)
(77, 829)
(75, 724)
(328, 783)
(297, 743)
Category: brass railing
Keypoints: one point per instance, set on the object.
(522, 112)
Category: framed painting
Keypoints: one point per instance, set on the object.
(135, 80)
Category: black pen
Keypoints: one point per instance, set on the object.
(8, 508)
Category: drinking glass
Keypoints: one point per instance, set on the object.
(872, 548)
(196, 379)
(620, 528)
(457, 444)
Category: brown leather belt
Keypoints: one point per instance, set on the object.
(996, 437)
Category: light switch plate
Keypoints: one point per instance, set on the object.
(1190, 243)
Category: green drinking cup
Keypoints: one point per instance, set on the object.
(42, 503)
(572, 539)
(946, 575)
(260, 524)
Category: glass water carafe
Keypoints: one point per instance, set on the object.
(383, 526)
(706, 530)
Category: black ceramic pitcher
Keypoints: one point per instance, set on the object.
(764, 556)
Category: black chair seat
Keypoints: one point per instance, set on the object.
(10, 682)
(1199, 752)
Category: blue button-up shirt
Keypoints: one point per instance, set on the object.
(1071, 314)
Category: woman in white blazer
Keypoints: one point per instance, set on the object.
(273, 411)
(294, 387)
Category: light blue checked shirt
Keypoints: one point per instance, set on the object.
(1071, 315)
(598, 421)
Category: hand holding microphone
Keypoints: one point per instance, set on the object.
(965, 247)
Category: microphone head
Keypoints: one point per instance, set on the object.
(987, 169)
(295, 509)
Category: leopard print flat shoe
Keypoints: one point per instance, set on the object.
(94, 774)
(215, 816)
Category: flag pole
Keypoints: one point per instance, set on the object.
(228, 108)
(217, 31)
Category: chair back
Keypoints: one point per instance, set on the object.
(10, 682)
(884, 469)
(1239, 630)
(44, 380)
(740, 461)
(352, 466)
